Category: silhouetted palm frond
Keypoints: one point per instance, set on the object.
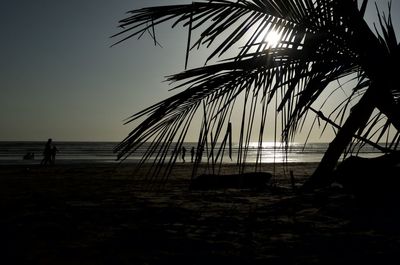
(320, 42)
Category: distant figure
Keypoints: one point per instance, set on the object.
(183, 153)
(47, 153)
(29, 156)
(192, 152)
(199, 154)
(54, 151)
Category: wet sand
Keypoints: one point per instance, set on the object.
(103, 214)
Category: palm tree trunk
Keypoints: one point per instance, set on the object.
(358, 117)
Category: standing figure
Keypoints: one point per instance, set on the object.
(192, 153)
(54, 151)
(183, 153)
(199, 154)
(47, 153)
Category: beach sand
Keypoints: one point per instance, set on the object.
(106, 214)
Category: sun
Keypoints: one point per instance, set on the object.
(273, 38)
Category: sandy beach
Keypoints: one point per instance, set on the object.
(106, 214)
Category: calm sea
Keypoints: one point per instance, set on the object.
(75, 152)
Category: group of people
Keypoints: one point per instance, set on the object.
(49, 153)
(182, 152)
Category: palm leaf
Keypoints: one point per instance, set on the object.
(321, 41)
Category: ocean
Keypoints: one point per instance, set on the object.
(77, 152)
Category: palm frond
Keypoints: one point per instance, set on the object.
(320, 42)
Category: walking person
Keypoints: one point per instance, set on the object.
(199, 154)
(47, 153)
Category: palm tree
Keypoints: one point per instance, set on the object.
(320, 42)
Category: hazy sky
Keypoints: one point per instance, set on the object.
(60, 78)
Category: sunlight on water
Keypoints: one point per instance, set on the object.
(270, 144)
(13, 152)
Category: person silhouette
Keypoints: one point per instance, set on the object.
(199, 154)
(192, 152)
(183, 153)
(54, 151)
(47, 153)
(27, 156)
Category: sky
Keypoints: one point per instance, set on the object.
(61, 79)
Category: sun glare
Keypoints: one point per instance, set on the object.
(273, 38)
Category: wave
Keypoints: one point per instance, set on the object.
(103, 151)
